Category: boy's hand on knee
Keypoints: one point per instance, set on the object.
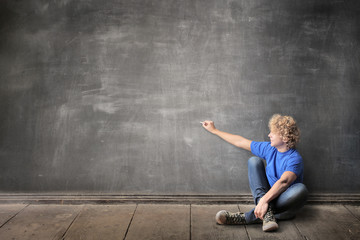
(261, 209)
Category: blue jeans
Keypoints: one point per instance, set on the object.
(285, 205)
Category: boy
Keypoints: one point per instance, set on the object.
(278, 190)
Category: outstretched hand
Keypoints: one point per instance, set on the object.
(208, 125)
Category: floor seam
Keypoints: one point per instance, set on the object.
(302, 235)
(72, 222)
(14, 215)
(247, 233)
(127, 230)
(190, 222)
(351, 213)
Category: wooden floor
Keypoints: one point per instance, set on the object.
(167, 221)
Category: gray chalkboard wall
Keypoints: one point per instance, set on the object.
(106, 96)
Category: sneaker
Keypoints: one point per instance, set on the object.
(269, 222)
(225, 217)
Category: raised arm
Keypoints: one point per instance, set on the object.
(236, 140)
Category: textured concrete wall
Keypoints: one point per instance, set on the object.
(107, 96)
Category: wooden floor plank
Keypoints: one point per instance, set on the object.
(160, 221)
(167, 221)
(101, 222)
(8, 211)
(287, 229)
(327, 222)
(40, 222)
(203, 224)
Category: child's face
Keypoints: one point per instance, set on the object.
(275, 139)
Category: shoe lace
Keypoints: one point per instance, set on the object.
(269, 216)
(235, 218)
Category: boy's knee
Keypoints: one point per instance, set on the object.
(301, 191)
(254, 161)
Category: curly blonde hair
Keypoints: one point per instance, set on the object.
(286, 127)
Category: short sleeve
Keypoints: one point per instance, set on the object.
(295, 166)
(260, 149)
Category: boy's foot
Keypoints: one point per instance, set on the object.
(225, 217)
(269, 222)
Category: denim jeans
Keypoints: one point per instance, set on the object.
(285, 205)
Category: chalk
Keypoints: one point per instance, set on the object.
(204, 123)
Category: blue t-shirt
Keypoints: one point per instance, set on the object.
(277, 162)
